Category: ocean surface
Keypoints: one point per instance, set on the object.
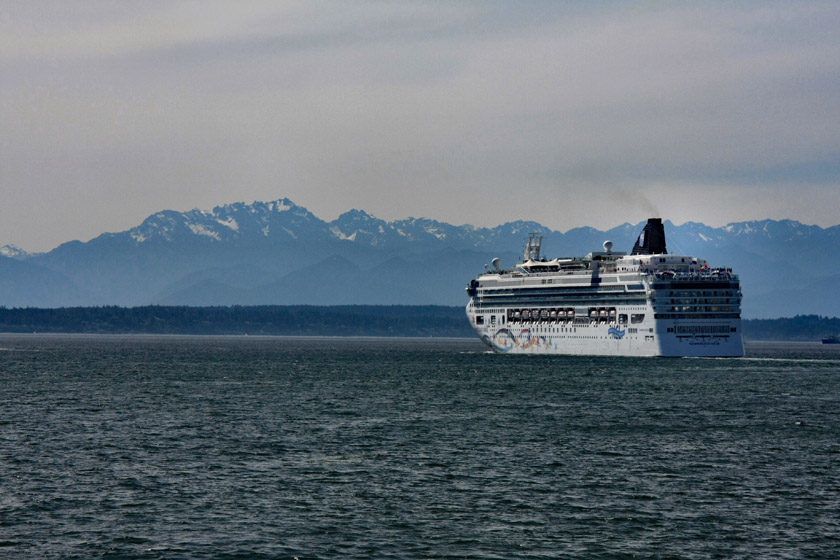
(243, 447)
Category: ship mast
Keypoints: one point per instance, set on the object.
(532, 249)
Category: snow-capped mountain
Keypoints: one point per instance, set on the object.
(238, 223)
(280, 253)
(13, 252)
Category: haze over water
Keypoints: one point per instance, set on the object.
(190, 447)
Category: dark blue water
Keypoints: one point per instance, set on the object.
(138, 447)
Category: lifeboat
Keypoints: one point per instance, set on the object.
(526, 314)
(544, 314)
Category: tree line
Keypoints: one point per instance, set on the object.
(805, 328)
(297, 320)
(309, 320)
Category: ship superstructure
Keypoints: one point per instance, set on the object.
(647, 303)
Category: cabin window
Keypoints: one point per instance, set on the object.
(636, 318)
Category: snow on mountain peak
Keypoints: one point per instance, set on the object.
(12, 252)
(228, 223)
(282, 205)
(354, 223)
(200, 229)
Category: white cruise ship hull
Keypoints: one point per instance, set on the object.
(651, 337)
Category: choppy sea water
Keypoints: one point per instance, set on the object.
(190, 447)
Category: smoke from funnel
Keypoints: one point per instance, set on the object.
(640, 201)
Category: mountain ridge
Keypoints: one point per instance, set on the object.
(277, 252)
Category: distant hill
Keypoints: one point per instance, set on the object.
(270, 253)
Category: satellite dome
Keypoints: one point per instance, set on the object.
(608, 245)
(496, 263)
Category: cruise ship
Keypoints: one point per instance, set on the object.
(647, 303)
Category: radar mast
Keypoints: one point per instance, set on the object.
(532, 249)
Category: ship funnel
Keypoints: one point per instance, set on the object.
(652, 239)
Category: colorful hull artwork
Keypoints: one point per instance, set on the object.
(505, 341)
(615, 333)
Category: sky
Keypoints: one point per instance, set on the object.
(569, 114)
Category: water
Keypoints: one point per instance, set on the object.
(189, 447)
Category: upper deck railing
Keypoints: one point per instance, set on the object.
(712, 275)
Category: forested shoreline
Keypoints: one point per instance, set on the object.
(297, 320)
(306, 320)
(802, 328)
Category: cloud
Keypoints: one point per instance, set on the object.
(466, 112)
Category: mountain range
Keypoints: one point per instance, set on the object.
(280, 253)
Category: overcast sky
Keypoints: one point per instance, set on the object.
(569, 114)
